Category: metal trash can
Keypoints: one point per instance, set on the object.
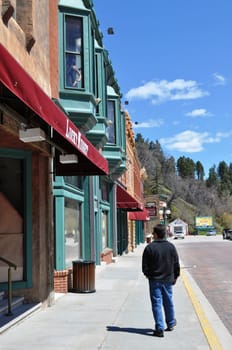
(84, 276)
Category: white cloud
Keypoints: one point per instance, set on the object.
(191, 142)
(149, 124)
(223, 135)
(219, 79)
(163, 90)
(187, 141)
(201, 112)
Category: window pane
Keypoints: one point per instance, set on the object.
(110, 130)
(76, 181)
(73, 34)
(73, 71)
(72, 231)
(73, 52)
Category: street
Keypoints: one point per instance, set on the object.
(208, 260)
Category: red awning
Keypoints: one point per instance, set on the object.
(126, 201)
(19, 82)
(139, 215)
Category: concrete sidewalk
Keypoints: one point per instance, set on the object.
(117, 316)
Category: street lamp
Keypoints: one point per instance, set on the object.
(164, 212)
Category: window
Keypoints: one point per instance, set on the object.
(104, 229)
(12, 204)
(74, 52)
(110, 130)
(76, 181)
(72, 229)
(105, 191)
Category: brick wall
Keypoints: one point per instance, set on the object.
(61, 281)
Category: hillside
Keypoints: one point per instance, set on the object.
(188, 193)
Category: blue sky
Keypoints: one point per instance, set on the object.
(173, 63)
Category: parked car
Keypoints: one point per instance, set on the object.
(211, 232)
(227, 233)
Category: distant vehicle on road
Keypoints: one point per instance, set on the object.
(227, 233)
(211, 232)
(179, 233)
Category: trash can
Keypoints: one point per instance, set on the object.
(84, 276)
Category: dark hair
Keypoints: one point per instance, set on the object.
(160, 230)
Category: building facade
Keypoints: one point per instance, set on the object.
(91, 220)
(34, 132)
(69, 172)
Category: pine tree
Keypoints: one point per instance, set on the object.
(185, 167)
(212, 180)
(200, 173)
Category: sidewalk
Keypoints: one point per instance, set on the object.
(118, 316)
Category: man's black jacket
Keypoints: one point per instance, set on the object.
(160, 261)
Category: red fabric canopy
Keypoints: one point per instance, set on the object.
(139, 215)
(126, 201)
(19, 82)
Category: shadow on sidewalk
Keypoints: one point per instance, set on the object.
(142, 331)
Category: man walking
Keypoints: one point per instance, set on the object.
(160, 264)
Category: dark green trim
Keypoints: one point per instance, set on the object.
(139, 232)
(59, 233)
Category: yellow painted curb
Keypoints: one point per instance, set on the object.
(208, 330)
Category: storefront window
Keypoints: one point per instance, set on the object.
(73, 52)
(12, 216)
(104, 229)
(72, 231)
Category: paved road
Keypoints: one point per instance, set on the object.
(209, 261)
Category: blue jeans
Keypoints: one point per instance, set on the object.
(161, 299)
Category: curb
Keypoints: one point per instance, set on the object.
(204, 311)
